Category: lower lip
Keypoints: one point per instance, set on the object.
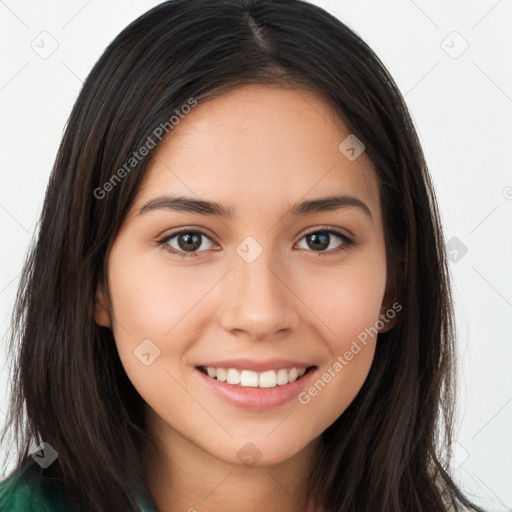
(257, 399)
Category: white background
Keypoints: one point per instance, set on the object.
(462, 108)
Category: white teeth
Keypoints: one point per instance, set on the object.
(282, 377)
(248, 378)
(233, 376)
(268, 379)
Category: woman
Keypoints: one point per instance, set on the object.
(239, 294)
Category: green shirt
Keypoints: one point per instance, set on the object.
(23, 491)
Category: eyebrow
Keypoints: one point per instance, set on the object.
(203, 207)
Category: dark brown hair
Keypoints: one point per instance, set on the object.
(69, 387)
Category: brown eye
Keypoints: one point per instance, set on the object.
(321, 240)
(186, 242)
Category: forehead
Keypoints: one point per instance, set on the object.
(257, 146)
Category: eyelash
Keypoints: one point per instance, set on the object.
(347, 242)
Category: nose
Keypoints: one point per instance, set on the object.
(258, 299)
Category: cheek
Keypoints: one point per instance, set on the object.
(155, 311)
(348, 298)
(351, 345)
(336, 386)
(348, 303)
(153, 301)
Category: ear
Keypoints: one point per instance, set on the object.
(101, 313)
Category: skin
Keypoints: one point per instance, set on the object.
(257, 150)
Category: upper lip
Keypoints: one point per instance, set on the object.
(257, 366)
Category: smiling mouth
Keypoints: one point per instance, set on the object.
(247, 378)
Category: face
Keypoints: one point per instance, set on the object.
(254, 287)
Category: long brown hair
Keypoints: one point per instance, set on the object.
(69, 387)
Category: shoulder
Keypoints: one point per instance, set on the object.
(24, 490)
(27, 490)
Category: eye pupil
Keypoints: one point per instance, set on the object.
(194, 240)
(320, 241)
